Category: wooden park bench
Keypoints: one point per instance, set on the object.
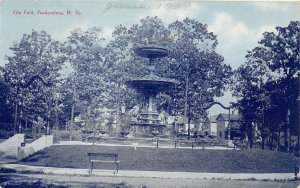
(103, 158)
(191, 143)
(186, 142)
(197, 143)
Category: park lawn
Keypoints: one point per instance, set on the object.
(174, 160)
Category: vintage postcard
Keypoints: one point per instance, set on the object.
(142, 93)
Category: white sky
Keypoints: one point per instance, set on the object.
(238, 25)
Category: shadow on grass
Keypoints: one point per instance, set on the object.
(5, 156)
(16, 181)
(19, 181)
(36, 157)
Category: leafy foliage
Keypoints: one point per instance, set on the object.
(99, 72)
(36, 54)
(191, 54)
(266, 84)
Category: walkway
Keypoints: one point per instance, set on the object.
(96, 181)
(137, 145)
(149, 174)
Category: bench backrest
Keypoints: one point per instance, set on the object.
(102, 155)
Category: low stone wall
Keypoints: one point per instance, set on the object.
(39, 144)
(9, 147)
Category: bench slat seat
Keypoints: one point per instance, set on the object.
(103, 154)
(103, 158)
(189, 142)
(95, 161)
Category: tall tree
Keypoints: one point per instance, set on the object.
(201, 73)
(88, 82)
(272, 68)
(31, 71)
(282, 56)
(6, 110)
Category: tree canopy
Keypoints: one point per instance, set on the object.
(99, 71)
(267, 82)
(32, 72)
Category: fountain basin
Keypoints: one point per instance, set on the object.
(151, 83)
(151, 52)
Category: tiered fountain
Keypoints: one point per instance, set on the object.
(150, 86)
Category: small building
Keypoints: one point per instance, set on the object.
(209, 125)
(180, 125)
(226, 122)
(219, 124)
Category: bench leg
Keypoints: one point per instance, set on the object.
(116, 168)
(91, 168)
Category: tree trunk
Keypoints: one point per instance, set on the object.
(40, 130)
(298, 127)
(16, 118)
(33, 130)
(271, 140)
(298, 145)
(26, 123)
(94, 137)
(189, 127)
(251, 142)
(250, 136)
(286, 142)
(278, 141)
(262, 141)
(186, 103)
(56, 116)
(72, 120)
(289, 141)
(118, 122)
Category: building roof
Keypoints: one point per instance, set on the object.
(180, 120)
(212, 119)
(233, 117)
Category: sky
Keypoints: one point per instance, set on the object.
(239, 25)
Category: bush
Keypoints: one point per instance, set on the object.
(4, 134)
(65, 135)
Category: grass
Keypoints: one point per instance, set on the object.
(174, 160)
